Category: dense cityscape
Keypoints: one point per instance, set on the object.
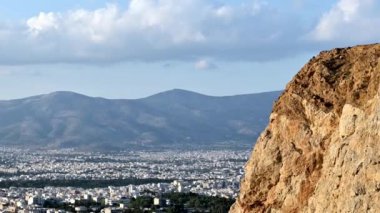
(33, 181)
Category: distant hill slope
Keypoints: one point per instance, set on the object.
(172, 118)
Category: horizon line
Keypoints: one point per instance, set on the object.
(157, 93)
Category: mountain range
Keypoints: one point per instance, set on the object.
(175, 118)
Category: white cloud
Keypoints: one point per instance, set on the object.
(225, 12)
(42, 22)
(204, 64)
(182, 30)
(150, 30)
(350, 21)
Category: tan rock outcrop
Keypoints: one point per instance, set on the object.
(321, 149)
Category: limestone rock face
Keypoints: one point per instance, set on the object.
(321, 149)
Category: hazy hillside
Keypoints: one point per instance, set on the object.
(173, 118)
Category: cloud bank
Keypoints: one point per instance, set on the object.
(183, 30)
(350, 21)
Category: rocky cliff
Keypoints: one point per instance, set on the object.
(321, 149)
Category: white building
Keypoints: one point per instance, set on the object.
(35, 200)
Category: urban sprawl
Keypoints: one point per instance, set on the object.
(30, 179)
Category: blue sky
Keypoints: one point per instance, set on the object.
(132, 49)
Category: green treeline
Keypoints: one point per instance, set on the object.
(183, 202)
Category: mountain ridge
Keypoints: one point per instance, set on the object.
(176, 117)
(69, 92)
